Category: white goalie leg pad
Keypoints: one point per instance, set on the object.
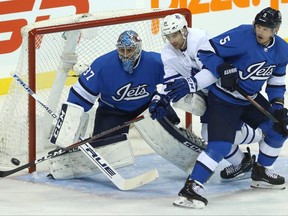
(77, 165)
(71, 124)
(193, 103)
(170, 142)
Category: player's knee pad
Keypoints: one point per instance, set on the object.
(193, 103)
(248, 135)
(70, 126)
(77, 165)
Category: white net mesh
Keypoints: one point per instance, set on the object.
(51, 81)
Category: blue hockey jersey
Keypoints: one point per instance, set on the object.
(105, 79)
(256, 63)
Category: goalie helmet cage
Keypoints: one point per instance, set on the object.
(24, 123)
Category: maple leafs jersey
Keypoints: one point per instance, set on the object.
(256, 63)
(106, 79)
(185, 63)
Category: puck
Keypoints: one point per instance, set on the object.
(15, 161)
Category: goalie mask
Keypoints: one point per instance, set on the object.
(269, 17)
(172, 24)
(129, 47)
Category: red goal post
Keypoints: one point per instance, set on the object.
(25, 125)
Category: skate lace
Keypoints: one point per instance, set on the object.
(270, 173)
(233, 169)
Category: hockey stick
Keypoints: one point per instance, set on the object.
(116, 178)
(57, 152)
(113, 175)
(254, 103)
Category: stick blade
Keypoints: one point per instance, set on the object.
(140, 180)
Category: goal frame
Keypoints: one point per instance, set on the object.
(32, 34)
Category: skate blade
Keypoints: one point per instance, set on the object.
(240, 177)
(265, 185)
(183, 202)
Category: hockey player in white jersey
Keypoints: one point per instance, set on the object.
(244, 58)
(181, 64)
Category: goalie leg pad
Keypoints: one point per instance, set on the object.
(176, 146)
(71, 123)
(77, 165)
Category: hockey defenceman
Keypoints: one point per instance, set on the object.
(180, 61)
(247, 57)
(124, 81)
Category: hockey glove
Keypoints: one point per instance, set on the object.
(180, 88)
(277, 103)
(229, 76)
(158, 106)
(282, 126)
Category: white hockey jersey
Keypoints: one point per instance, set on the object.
(185, 63)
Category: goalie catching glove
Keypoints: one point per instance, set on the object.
(180, 88)
(158, 106)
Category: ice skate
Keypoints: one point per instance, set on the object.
(240, 171)
(189, 196)
(266, 178)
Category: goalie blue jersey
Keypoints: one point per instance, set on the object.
(256, 63)
(117, 89)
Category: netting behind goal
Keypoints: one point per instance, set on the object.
(25, 125)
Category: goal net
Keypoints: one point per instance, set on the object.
(25, 124)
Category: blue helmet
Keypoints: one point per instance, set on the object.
(129, 47)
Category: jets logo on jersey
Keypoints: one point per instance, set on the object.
(257, 72)
(131, 93)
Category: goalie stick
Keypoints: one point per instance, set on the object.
(113, 175)
(95, 157)
(60, 151)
